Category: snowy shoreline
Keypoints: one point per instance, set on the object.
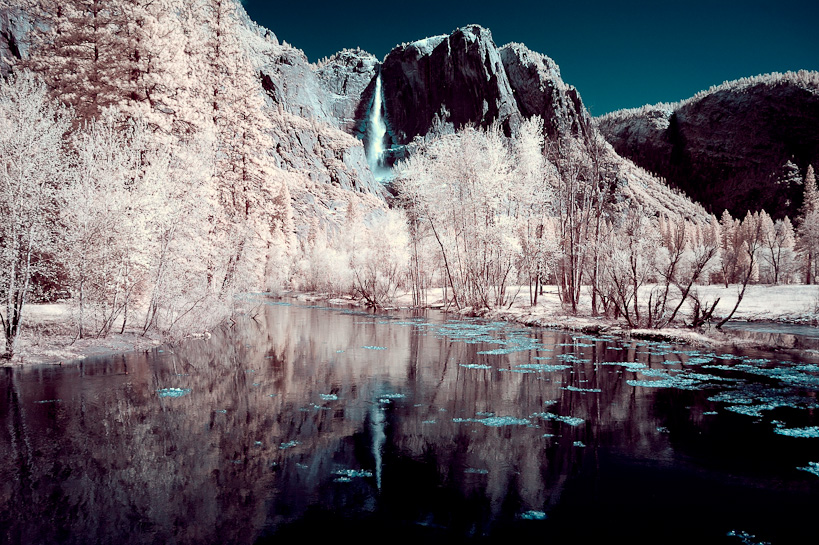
(48, 334)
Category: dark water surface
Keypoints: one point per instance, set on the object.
(311, 424)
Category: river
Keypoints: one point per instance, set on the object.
(307, 423)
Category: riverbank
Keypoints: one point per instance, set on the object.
(791, 304)
(48, 335)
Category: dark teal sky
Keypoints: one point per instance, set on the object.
(619, 54)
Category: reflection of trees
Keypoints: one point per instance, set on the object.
(253, 447)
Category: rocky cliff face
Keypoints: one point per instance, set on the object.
(348, 79)
(465, 78)
(539, 90)
(14, 27)
(732, 147)
(462, 74)
(327, 166)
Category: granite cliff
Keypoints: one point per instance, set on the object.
(743, 145)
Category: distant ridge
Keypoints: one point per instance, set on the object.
(741, 145)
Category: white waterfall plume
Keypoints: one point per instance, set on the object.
(376, 133)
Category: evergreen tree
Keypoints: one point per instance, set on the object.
(808, 229)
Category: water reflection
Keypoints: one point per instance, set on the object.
(305, 423)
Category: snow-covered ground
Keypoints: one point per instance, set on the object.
(48, 335)
(784, 303)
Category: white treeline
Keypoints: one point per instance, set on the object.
(135, 168)
(489, 216)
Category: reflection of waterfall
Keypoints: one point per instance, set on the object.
(379, 438)
(376, 133)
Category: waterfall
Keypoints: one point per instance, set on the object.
(376, 133)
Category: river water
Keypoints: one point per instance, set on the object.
(310, 424)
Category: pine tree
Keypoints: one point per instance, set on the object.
(808, 229)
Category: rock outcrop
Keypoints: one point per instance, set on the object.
(348, 79)
(539, 90)
(14, 28)
(732, 147)
(460, 76)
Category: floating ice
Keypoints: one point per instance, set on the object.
(498, 421)
(476, 471)
(428, 422)
(576, 389)
(570, 420)
(812, 467)
(328, 397)
(543, 367)
(392, 396)
(747, 539)
(662, 429)
(50, 401)
(353, 473)
(495, 421)
(288, 444)
(475, 366)
(812, 431)
(173, 392)
(579, 444)
(375, 347)
(630, 365)
(533, 515)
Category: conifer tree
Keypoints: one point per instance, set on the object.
(808, 229)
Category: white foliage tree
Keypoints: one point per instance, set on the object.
(32, 167)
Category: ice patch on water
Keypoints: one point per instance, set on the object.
(750, 410)
(570, 420)
(428, 422)
(476, 471)
(579, 444)
(498, 421)
(375, 347)
(747, 539)
(288, 444)
(630, 365)
(543, 367)
(812, 467)
(811, 432)
(533, 515)
(353, 473)
(392, 396)
(475, 366)
(495, 421)
(328, 397)
(571, 358)
(173, 392)
(49, 401)
(502, 351)
(681, 384)
(576, 389)
(662, 429)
